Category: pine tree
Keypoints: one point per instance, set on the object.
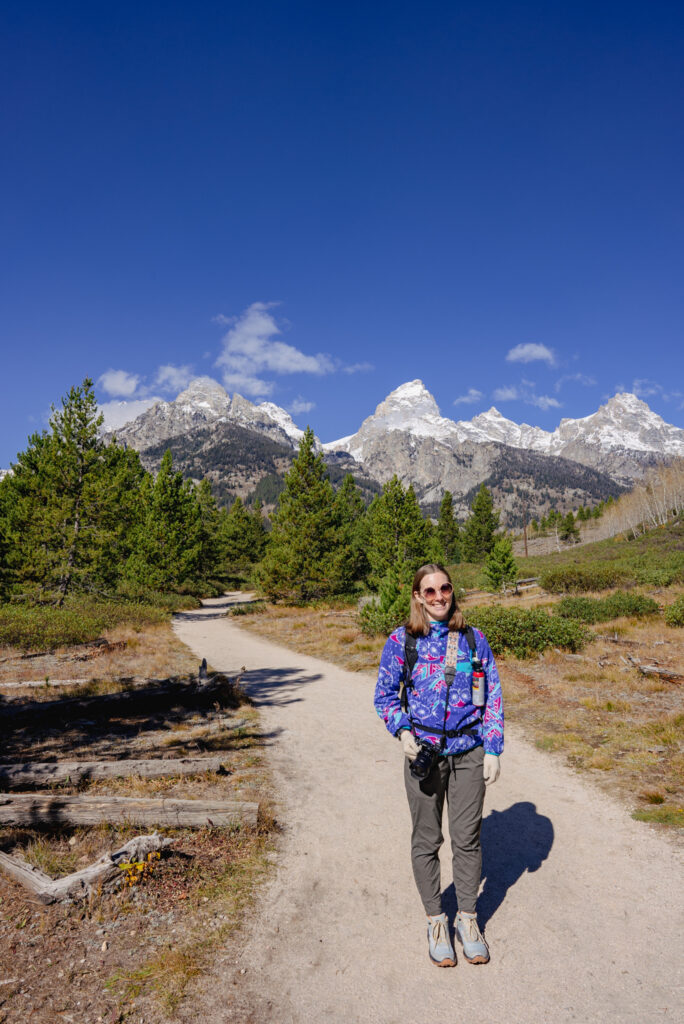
(478, 532)
(397, 535)
(567, 528)
(392, 605)
(350, 511)
(61, 513)
(448, 530)
(168, 545)
(500, 565)
(302, 560)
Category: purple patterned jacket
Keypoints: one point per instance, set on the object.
(429, 702)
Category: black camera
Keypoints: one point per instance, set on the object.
(423, 763)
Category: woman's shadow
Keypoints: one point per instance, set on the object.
(513, 841)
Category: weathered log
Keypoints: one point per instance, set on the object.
(47, 809)
(80, 884)
(655, 670)
(47, 683)
(16, 776)
(187, 694)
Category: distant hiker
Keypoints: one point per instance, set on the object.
(438, 692)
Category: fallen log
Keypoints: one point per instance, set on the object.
(35, 683)
(80, 884)
(655, 670)
(37, 809)
(36, 773)
(134, 700)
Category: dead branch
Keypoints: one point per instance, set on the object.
(100, 875)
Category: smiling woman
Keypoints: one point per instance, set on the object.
(438, 692)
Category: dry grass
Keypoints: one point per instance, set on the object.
(601, 714)
(155, 652)
(134, 953)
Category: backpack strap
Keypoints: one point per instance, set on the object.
(410, 659)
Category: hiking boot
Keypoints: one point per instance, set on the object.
(469, 935)
(439, 943)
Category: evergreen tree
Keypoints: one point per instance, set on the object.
(302, 560)
(211, 556)
(167, 551)
(62, 520)
(392, 605)
(239, 537)
(500, 565)
(396, 534)
(259, 532)
(478, 532)
(350, 512)
(447, 530)
(567, 528)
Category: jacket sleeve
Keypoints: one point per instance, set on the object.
(493, 718)
(386, 700)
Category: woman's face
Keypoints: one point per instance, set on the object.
(435, 595)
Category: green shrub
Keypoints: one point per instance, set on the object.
(390, 608)
(568, 579)
(603, 609)
(527, 631)
(674, 615)
(41, 627)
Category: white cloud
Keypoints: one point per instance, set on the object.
(250, 348)
(301, 405)
(543, 402)
(358, 368)
(530, 353)
(472, 396)
(117, 413)
(119, 383)
(644, 388)
(525, 393)
(173, 378)
(578, 378)
(505, 394)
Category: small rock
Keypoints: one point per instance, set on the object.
(105, 946)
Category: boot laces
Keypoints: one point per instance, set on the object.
(470, 926)
(438, 930)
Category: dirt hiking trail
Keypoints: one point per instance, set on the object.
(582, 906)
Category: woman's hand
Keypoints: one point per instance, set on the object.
(491, 768)
(408, 742)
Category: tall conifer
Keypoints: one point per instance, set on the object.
(447, 529)
(302, 559)
(478, 532)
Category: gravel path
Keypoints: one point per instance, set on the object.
(582, 906)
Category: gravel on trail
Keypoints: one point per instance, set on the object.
(582, 906)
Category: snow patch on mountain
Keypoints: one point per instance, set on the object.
(624, 423)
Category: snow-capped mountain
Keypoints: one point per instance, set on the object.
(204, 403)
(619, 438)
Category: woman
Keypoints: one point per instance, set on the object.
(436, 709)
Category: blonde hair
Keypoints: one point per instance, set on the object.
(418, 622)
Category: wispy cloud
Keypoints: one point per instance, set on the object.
(644, 388)
(506, 394)
(119, 383)
(358, 368)
(300, 405)
(531, 353)
(525, 393)
(472, 396)
(577, 378)
(173, 378)
(251, 348)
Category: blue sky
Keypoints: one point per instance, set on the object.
(317, 202)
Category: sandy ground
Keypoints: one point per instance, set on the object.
(582, 906)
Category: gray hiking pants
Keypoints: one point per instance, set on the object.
(460, 779)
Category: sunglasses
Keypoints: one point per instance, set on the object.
(446, 590)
